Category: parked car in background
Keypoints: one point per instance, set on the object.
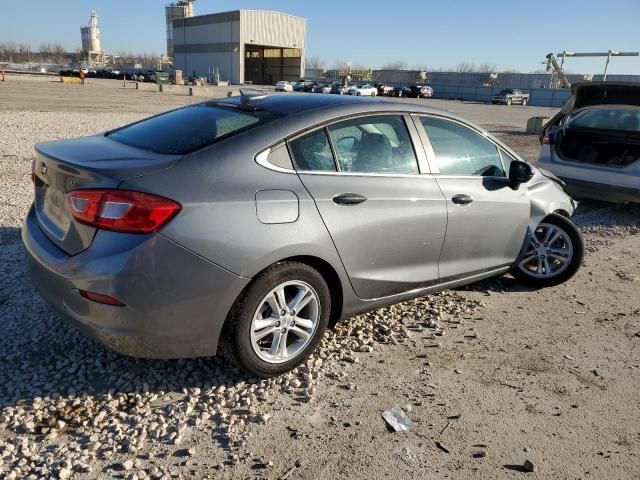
(510, 96)
(339, 89)
(398, 91)
(418, 91)
(309, 86)
(366, 90)
(248, 225)
(322, 87)
(283, 86)
(385, 89)
(302, 86)
(593, 143)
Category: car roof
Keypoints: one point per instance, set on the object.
(291, 104)
(287, 104)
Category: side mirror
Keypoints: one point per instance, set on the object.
(519, 172)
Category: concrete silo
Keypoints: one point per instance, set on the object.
(91, 45)
(176, 11)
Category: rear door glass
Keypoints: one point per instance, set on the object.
(189, 129)
(312, 152)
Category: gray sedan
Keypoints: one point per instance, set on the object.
(248, 225)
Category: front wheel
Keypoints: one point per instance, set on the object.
(509, 102)
(276, 324)
(524, 102)
(553, 254)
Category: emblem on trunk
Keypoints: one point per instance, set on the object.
(43, 168)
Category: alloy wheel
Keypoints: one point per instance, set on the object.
(548, 253)
(285, 322)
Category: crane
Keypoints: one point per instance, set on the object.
(558, 78)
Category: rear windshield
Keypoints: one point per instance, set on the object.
(624, 119)
(189, 129)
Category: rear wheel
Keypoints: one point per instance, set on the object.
(276, 324)
(509, 102)
(524, 102)
(553, 254)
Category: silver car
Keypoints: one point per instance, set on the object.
(250, 224)
(593, 143)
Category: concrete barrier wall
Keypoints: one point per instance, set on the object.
(147, 87)
(540, 97)
(177, 89)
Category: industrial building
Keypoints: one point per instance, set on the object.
(242, 46)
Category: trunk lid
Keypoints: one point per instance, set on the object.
(89, 162)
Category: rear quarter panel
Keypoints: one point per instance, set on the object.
(219, 221)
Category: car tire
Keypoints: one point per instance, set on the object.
(566, 259)
(509, 102)
(239, 341)
(524, 102)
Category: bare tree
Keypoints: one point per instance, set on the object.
(315, 63)
(340, 65)
(465, 67)
(58, 53)
(486, 68)
(10, 51)
(423, 67)
(396, 65)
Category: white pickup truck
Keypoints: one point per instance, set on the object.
(510, 96)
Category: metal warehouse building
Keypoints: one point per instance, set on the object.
(255, 46)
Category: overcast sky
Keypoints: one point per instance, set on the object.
(511, 34)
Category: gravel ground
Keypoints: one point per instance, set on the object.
(487, 373)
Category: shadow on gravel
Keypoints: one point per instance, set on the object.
(46, 360)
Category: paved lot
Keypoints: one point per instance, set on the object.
(494, 374)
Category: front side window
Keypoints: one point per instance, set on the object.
(460, 150)
(375, 144)
(312, 152)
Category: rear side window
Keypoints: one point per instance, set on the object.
(462, 151)
(189, 129)
(313, 152)
(374, 144)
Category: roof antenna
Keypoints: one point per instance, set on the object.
(252, 94)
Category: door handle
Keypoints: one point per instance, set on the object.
(462, 199)
(349, 199)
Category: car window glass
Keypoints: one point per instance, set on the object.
(609, 119)
(462, 151)
(189, 129)
(376, 144)
(312, 152)
(507, 158)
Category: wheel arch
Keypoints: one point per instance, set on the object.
(330, 275)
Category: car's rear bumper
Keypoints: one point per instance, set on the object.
(601, 191)
(175, 301)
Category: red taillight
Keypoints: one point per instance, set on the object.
(546, 140)
(101, 298)
(121, 210)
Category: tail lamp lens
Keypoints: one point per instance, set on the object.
(121, 210)
(546, 140)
